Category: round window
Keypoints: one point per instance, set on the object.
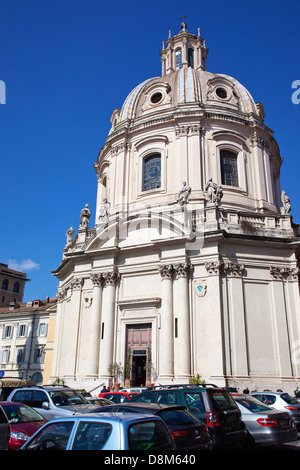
(156, 98)
(221, 92)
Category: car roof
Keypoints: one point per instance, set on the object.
(269, 392)
(149, 406)
(107, 417)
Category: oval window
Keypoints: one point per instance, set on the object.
(221, 92)
(156, 98)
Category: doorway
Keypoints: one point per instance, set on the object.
(138, 352)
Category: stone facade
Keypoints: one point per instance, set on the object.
(193, 246)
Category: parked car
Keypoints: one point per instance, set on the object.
(52, 401)
(134, 389)
(265, 426)
(24, 422)
(118, 397)
(99, 401)
(109, 432)
(280, 401)
(210, 404)
(187, 431)
(4, 430)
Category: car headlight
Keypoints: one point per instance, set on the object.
(19, 435)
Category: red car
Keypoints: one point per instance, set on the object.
(24, 421)
(118, 397)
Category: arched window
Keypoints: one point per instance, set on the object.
(178, 59)
(152, 172)
(16, 287)
(229, 168)
(191, 57)
(5, 284)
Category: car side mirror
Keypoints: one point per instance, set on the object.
(46, 405)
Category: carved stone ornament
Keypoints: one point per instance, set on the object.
(77, 283)
(87, 301)
(213, 192)
(111, 278)
(234, 269)
(214, 267)
(281, 273)
(184, 193)
(166, 271)
(61, 295)
(286, 209)
(200, 287)
(97, 279)
(183, 269)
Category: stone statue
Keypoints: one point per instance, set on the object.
(214, 192)
(69, 235)
(85, 215)
(104, 210)
(184, 193)
(286, 203)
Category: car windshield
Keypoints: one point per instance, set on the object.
(21, 414)
(223, 401)
(67, 398)
(252, 404)
(288, 399)
(149, 435)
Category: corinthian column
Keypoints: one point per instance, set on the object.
(92, 353)
(182, 340)
(166, 345)
(108, 323)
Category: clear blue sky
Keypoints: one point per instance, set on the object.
(67, 64)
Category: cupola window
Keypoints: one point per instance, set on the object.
(152, 172)
(221, 93)
(178, 58)
(191, 57)
(229, 168)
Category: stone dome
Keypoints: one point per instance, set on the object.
(187, 87)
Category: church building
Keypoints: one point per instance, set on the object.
(192, 265)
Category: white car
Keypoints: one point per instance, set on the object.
(280, 401)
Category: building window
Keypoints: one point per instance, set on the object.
(5, 284)
(16, 287)
(178, 59)
(191, 57)
(5, 356)
(229, 168)
(22, 331)
(7, 331)
(20, 355)
(39, 355)
(152, 172)
(43, 329)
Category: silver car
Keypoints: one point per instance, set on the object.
(265, 426)
(280, 401)
(110, 432)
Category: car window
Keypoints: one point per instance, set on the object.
(252, 404)
(144, 397)
(21, 414)
(268, 399)
(151, 435)
(223, 401)
(67, 397)
(53, 436)
(123, 399)
(91, 436)
(288, 399)
(195, 404)
(166, 398)
(38, 398)
(177, 417)
(23, 396)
